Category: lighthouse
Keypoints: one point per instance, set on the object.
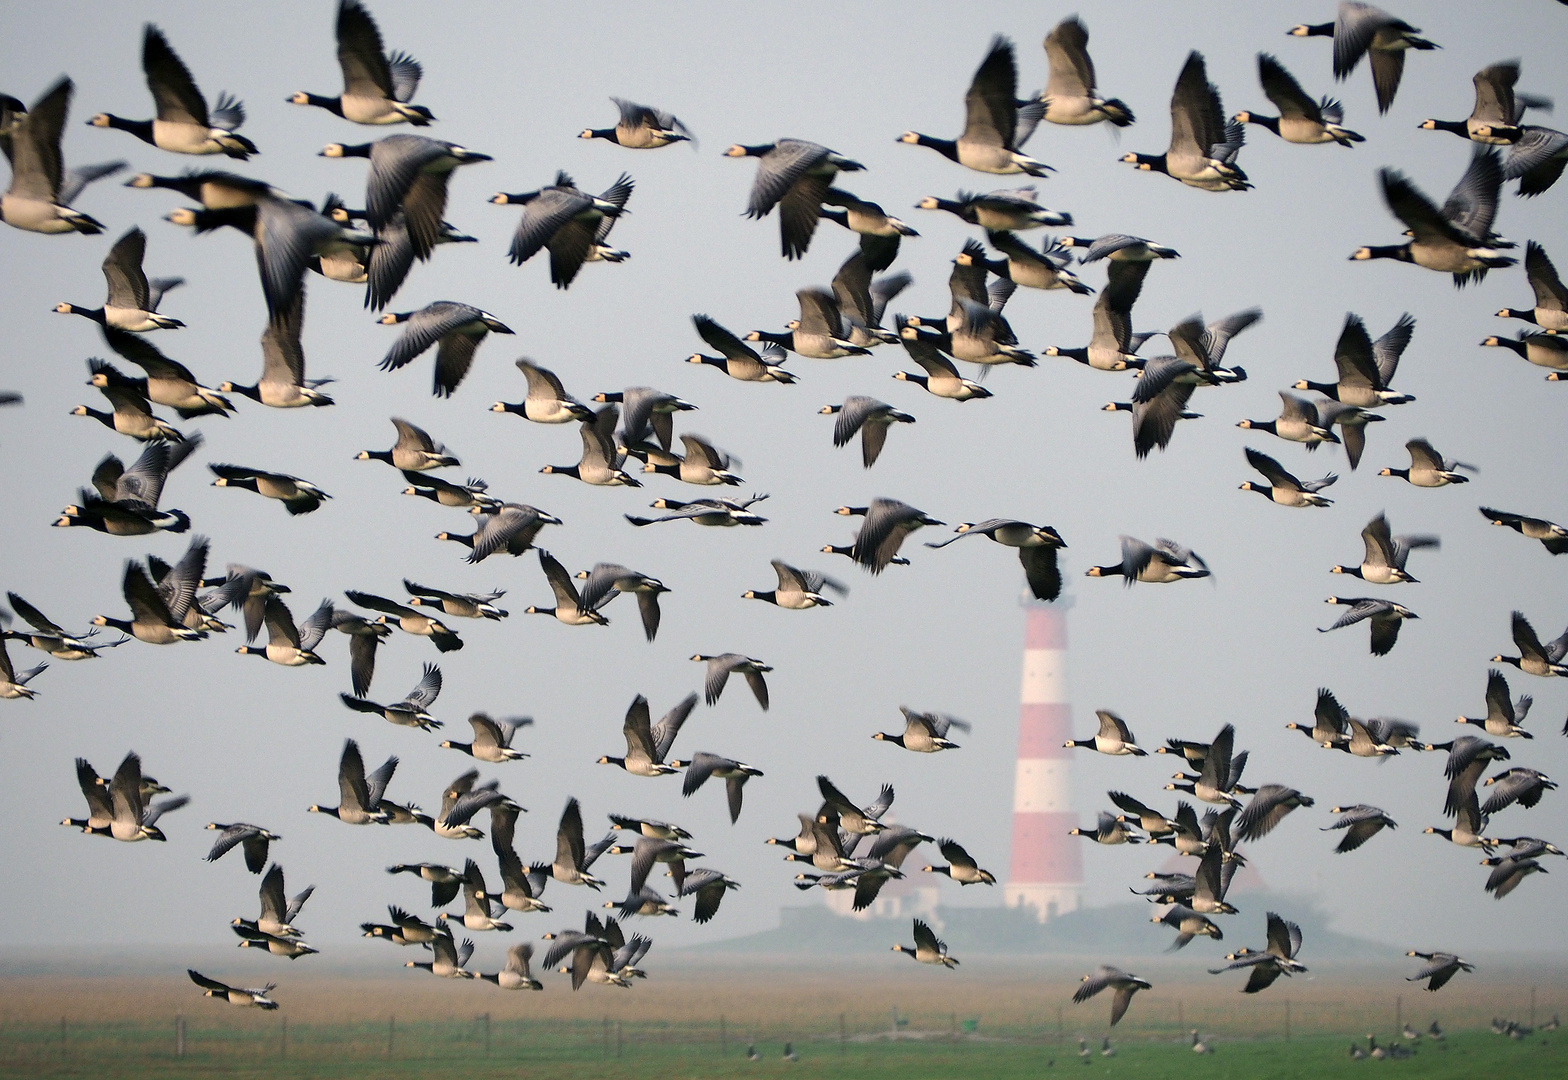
(1047, 868)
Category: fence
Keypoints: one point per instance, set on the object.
(222, 1034)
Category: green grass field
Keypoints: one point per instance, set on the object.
(597, 1050)
(351, 1053)
(694, 1020)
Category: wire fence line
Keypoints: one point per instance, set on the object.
(218, 1036)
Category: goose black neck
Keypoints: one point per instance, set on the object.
(948, 148)
(242, 218)
(142, 129)
(1400, 252)
(331, 104)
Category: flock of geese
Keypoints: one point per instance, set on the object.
(849, 843)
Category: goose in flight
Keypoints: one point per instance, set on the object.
(995, 126)
(928, 949)
(184, 124)
(1361, 30)
(41, 192)
(377, 85)
(1107, 977)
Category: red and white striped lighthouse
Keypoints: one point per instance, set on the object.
(1047, 868)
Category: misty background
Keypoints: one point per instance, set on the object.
(250, 741)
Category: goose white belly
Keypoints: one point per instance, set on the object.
(33, 215)
(547, 412)
(344, 266)
(988, 158)
(1445, 258)
(370, 110)
(1073, 111)
(135, 320)
(181, 138)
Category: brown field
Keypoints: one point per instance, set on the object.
(772, 997)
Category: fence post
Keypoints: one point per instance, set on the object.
(724, 1040)
(391, 1031)
(487, 1034)
(179, 1034)
(1181, 1024)
(284, 1049)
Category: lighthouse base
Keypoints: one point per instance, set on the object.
(1047, 901)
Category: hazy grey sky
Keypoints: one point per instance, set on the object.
(253, 742)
